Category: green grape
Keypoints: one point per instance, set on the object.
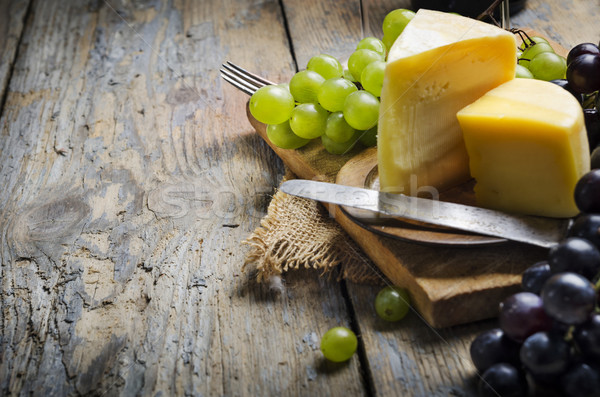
(388, 42)
(339, 148)
(337, 128)
(304, 86)
(548, 66)
(326, 65)
(308, 120)
(333, 93)
(392, 303)
(532, 51)
(281, 135)
(372, 77)
(339, 344)
(372, 43)
(394, 23)
(522, 72)
(360, 59)
(369, 137)
(271, 104)
(361, 110)
(535, 40)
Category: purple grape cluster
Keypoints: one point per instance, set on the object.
(583, 81)
(548, 340)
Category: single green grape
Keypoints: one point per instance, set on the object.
(388, 42)
(372, 77)
(271, 104)
(333, 93)
(337, 129)
(394, 23)
(308, 120)
(305, 85)
(392, 303)
(532, 51)
(548, 66)
(522, 72)
(372, 43)
(360, 59)
(339, 148)
(326, 65)
(534, 39)
(361, 110)
(369, 137)
(281, 135)
(339, 344)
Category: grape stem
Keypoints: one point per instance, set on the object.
(490, 11)
(527, 41)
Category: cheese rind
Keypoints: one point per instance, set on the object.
(440, 63)
(528, 147)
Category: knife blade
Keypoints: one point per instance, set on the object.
(539, 231)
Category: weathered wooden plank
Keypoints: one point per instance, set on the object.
(12, 22)
(567, 22)
(130, 175)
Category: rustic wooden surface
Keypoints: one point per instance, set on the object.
(129, 177)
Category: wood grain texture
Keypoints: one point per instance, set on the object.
(12, 21)
(130, 176)
(567, 22)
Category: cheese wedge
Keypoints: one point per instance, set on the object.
(440, 63)
(528, 147)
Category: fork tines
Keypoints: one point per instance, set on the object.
(242, 79)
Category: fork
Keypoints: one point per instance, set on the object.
(242, 79)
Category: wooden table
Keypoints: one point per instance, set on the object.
(129, 177)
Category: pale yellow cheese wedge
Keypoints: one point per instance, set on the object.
(438, 65)
(528, 147)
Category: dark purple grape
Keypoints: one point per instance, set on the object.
(595, 158)
(587, 226)
(587, 337)
(587, 192)
(577, 255)
(583, 73)
(592, 126)
(580, 49)
(565, 84)
(581, 380)
(545, 355)
(493, 347)
(535, 276)
(569, 298)
(502, 380)
(522, 314)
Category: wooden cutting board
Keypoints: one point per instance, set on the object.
(448, 285)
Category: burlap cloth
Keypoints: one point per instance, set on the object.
(299, 233)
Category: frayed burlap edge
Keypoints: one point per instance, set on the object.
(299, 233)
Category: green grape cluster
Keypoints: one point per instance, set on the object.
(536, 59)
(327, 102)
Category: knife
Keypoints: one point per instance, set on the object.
(535, 230)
